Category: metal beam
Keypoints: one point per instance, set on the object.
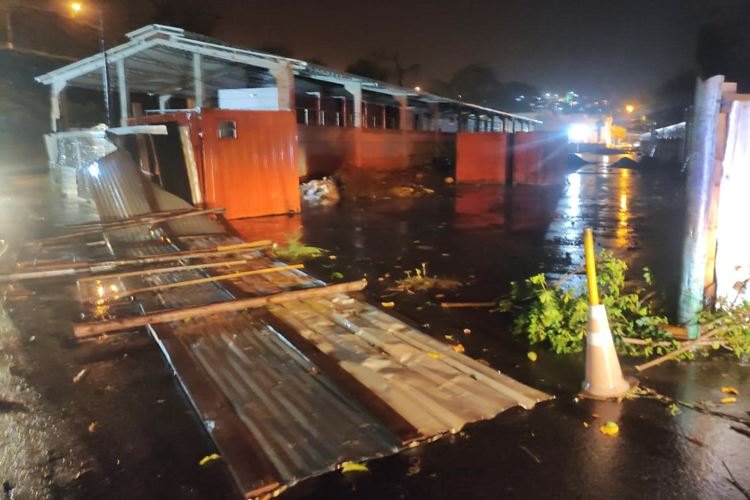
(122, 90)
(198, 79)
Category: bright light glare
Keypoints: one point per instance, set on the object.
(94, 170)
(418, 88)
(76, 7)
(579, 132)
(629, 108)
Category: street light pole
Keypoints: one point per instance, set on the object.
(103, 47)
(76, 7)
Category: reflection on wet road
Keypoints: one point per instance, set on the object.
(485, 237)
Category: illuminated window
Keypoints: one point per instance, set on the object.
(227, 129)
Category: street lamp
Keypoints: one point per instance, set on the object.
(77, 7)
(629, 108)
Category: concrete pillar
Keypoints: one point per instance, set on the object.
(55, 90)
(198, 80)
(284, 75)
(122, 90)
(355, 89)
(403, 112)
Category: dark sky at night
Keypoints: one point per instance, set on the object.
(620, 50)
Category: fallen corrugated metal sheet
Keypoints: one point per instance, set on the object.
(294, 390)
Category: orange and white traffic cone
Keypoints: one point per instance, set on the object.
(604, 378)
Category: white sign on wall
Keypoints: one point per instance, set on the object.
(257, 99)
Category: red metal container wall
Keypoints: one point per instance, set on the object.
(256, 173)
(481, 157)
(538, 158)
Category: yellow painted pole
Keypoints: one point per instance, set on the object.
(588, 245)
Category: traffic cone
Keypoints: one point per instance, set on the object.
(604, 378)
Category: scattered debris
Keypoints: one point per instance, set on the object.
(609, 428)
(734, 481)
(79, 376)
(467, 331)
(532, 356)
(625, 162)
(294, 251)
(434, 355)
(458, 348)
(388, 304)
(449, 180)
(422, 282)
(730, 390)
(673, 409)
(347, 467)
(528, 452)
(457, 305)
(92, 427)
(209, 458)
(336, 276)
(409, 191)
(728, 400)
(320, 192)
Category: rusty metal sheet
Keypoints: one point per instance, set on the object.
(256, 172)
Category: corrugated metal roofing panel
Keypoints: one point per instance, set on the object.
(305, 424)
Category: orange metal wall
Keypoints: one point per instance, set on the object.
(324, 150)
(539, 158)
(481, 157)
(256, 173)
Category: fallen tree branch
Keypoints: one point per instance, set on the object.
(96, 328)
(456, 305)
(673, 354)
(161, 270)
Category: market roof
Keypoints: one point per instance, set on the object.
(160, 58)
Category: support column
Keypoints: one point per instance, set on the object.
(403, 112)
(122, 90)
(198, 80)
(284, 75)
(163, 100)
(55, 90)
(355, 89)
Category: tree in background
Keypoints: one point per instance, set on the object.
(723, 46)
(197, 16)
(478, 84)
(369, 67)
(672, 97)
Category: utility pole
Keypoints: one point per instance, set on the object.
(77, 7)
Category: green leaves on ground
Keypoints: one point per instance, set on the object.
(294, 251)
(556, 315)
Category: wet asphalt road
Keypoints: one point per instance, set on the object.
(147, 441)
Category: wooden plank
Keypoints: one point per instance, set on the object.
(245, 458)
(96, 328)
(93, 266)
(105, 223)
(208, 279)
(345, 380)
(128, 224)
(161, 270)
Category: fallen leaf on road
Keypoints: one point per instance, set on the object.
(388, 304)
(586, 425)
(354, 467)
(532, 356)
(209, 458)
(92, 427)
(729, 400)
(434, 355)
(730, 390)
(459, 348)
(467, 331)
(79, 376)
(609, 429)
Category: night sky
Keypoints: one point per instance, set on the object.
(610, 49)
